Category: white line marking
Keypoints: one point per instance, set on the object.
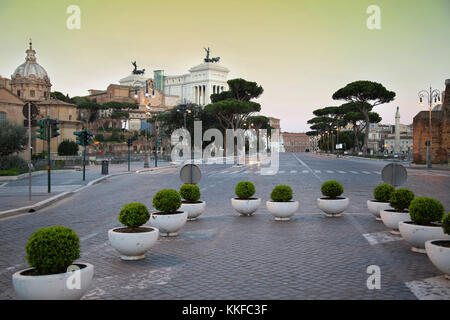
(281, 171)
(317, 171)
(365, 172)
(305, 165)
(293, 171)
(340, 171)
(305, 171)
(435, 288)
(377, 172)
(329, 171)
(354, 172)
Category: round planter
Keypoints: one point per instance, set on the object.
(246, 207)
(132, 246)
(333, 207)
(53, 286)
(168, 224)
(439, 255)
(376, 206)
(282, 211)
(417, 235)
(392, 218)
(193, 209)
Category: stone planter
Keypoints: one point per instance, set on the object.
(193, 209)
(168, 224)
(333, 207)
(133, 246)
(376, 206)
(439, 255)
(282, 211)
(246, 207)
(53, 286)
(392, 218)
(417, 235)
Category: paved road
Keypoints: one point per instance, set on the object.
(225, 256)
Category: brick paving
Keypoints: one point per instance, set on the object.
(225, 256)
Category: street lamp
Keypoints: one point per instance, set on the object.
(431, 95)
(185, 108)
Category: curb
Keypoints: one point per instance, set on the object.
(33, 174)
(47, 202)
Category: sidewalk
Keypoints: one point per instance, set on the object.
(437, 167)
(14, 194)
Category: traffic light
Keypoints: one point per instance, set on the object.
(42, 131)
(87, 137)
(129, 142)
(79, 135)
(55, 128)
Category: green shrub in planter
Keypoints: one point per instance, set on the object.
(167, 201)
(401, 198)
(332, 189)
(424, 210)
(281, 193)
(446, 223)
(245, 189)
(190, 192)
(134, 215)
(51, 250)
(383, 192)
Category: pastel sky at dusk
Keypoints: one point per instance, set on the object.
(300, 51)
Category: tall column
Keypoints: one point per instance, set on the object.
(397, 132)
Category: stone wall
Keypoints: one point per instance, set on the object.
(440, 132)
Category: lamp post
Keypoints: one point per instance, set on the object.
(433, 94)
(185, 108)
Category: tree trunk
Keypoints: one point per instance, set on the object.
(355, 140)
(366, 132)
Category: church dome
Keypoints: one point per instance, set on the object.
(30, 68)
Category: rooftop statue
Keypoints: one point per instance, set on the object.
(136, 71)
(207, 59)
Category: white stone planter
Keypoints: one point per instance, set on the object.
(61, 286)
(439, 256)
(417, 235)
(246, 207)
(282, 211)
(391, 219)
(133, 246)
(168, 224)
(376, 206)
(333, 207)
(193, 209)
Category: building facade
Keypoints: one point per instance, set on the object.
(440, 131)
(30, 83)
(199, 84)
(295, 142)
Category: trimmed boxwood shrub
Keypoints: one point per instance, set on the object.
(134, 215)
(245, 189)
(424, 210)
(401, 198)
(68, 148)
(13, 162)
(190, 192)
(383, 192)
(332, 189)
(52, 250)
(281, 193)
(446, 223)
(167, 201)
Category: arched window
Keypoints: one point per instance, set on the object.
(2, 117)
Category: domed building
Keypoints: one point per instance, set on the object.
(30, 80)
(31, 83)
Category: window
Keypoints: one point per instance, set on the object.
(2, 117)
(32, 93)
(18, 93)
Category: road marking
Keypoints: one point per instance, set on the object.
(305, 171)
(340, 171)
(293, 171)
(354, 172)
(281, 171)
(377, 172)
(317, 171)
(381, 237)
(88, 236)
(434, 288)
(365, 172)
(329, 171)
(305, 165)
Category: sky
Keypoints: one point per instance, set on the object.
(300, 51)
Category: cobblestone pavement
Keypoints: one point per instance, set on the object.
(225, 256)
